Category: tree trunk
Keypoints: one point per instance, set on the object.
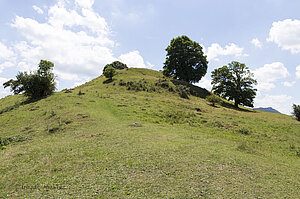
(236, 104)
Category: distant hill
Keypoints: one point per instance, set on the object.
(269, 109)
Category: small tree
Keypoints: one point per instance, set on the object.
(116, 65)
(234, 82)
(109, 72)
(296, 111)
(185, 60)
(213, 99)
(35, 85)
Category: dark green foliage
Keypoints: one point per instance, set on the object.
(296, 111)
(116, 65)
(141, 85)
(8, 140)
(213, 99)
(295, 149)
(81, 93)
(234, 82)
(35, 85)
(185, 60)
(110, 72)
(243, 131)
(144, 85)
(183, 91)
(193, 90)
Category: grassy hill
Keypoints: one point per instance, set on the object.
(135, 137)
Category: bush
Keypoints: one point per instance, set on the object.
(243, 131)
(183, 91)
(4, 142)
(35, 85)
(296, 111)
(110, 72)
(213, 99)
(116, 65)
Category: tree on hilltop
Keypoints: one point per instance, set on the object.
(234, 82)
(116, 65)
(185, 60)
(109, 72)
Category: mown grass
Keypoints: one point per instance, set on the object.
(88, 145)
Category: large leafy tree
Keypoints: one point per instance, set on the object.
(234, 82)
(185, 60)
(35, 85)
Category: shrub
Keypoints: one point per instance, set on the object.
(35, 85)
(183, 91)
(116, 65)
(243, 131)
(110, 72)
(213, 99)
(296, 111)
(8, 140)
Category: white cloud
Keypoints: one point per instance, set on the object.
(73, 36)
(289, 84)
(286, 34)
(282, 103)
(298, 71)
(37, 9)
(76, 41)
(5, 52)
(6, 64)
(7, 58)
(135, 60)
(3, 91)
(66, 75)
(85, 3)
(205, 83)
(256, 43)
(268, 74)
(215, 50)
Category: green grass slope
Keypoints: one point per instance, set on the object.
(135, 137)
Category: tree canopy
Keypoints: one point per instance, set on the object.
(234, 82)
(116, 65)
(185, 60)
(296, 111)
(35, 85)
(110, 72)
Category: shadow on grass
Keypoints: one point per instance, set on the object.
(108, 81)
(231, 106)
(17, 105)
(194, 90)
(212, 105)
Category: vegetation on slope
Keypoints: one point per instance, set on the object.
(135, 137)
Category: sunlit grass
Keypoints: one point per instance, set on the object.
(90, 145)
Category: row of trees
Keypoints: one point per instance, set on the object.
(186, 61)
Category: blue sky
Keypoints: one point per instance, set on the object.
(82, 36)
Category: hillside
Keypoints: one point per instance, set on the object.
(135, 137)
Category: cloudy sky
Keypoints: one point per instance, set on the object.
(82, 36)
